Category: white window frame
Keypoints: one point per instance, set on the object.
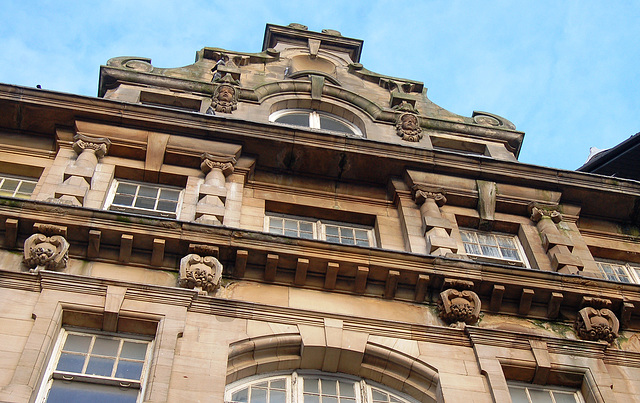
(319, 228)
(363, 389)
(631, 271)
(522, 262)
(21, 180)
(527, 387)
(109, 202)
(52, 374)
(314, 120)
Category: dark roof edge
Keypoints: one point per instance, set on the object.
(603, 157)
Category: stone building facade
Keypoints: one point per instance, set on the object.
(288, 226)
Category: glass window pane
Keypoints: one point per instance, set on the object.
(362, 234)
(378, 395)
(564, 397)
(27, 187)
(145, 203)
(123, 200)
(346, 389)
(472, 249)
(277, 396)
(311, 399)
(169, 194)
(306, 235)
(258, 395)
(306, 226)
(295, 118)
(127, 188)
(329, 399)
(290, 232)
(329, 387)
(241, 396)
(518, 395)
(311, 385)
(290, 224)
(100, 366)
(77, 343)
(169, 206)
(278, 384)
(331, 230)
(490, 251)
(329, 123)
(540, 396)
(486, 239)
(506, 242)
(275, 223)
(129, 369)
(510, 254)
(70, 363)
(67, 392)
(468, 236)
(148, 191)
(10, 184)
(104, 346)
(136, 351)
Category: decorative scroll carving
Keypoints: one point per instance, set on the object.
(459, 307)
(421, 196)
(331, 32)
(408, 127)
(142, 64)
(538, 213)
(42, 252)
(597, 324)
(489, 119)
(225, 98)
(200, 272)
(295, 25)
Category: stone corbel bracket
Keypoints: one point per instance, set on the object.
(42, 252)
(202, 273)
(458, 305)
(597, 324)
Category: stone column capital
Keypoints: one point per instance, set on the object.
(99, 145)
(421, 196)
(223, 163)
(538, 213)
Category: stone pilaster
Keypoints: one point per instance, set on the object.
(435, 228)
(78, 175)
(558, 246)
(213, 192)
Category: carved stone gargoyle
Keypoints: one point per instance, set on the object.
(597, 324)
(46, 253)
(459, 307)
(200, 273)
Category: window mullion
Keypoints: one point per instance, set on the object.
(89, 351)
(314, 120)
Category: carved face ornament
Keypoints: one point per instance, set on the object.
(408, 127)
(225, 99)
(226, 94)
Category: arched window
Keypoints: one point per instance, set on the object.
(310, 387)
(315, 120)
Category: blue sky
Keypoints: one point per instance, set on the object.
(566, 73)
